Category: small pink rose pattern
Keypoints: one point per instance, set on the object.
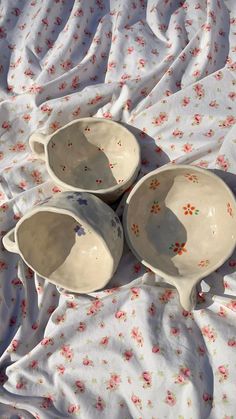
(89, 344)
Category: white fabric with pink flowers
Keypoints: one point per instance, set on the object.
(167, 68)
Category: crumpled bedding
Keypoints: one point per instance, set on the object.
(166, 68)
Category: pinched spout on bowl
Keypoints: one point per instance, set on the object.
(37, 144)
(187, 293)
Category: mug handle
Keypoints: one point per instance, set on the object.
(9, 242)
(37, 144)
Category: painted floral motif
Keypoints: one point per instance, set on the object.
(170, 398)
(223, 373)
(154, 184)
(79, 230)
(193, 178)
(178, 248)
(189, 209)
(135, 229)
(204, 263)
(155, 208)
(229, 209)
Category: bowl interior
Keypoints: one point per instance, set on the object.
(181, 222)
(93, 154)
(65, 251)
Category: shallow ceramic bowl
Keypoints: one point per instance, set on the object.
(180, 221)
(73, 240)
(90, 154)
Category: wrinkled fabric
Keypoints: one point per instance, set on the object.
(167, 70)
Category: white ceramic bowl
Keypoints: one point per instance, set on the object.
(91, 155)
(73, 240)
(180, 221)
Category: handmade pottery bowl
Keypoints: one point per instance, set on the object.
(180, 221)
(91, 155)
(73, 239)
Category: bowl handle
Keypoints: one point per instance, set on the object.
(37, 144)
(187, 294)
(9, 242)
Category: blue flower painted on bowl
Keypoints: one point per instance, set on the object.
(74, 195)
(82, 201)
(79, 230)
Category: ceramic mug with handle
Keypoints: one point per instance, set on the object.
(72, 239)
(90, 155)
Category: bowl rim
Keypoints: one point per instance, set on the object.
(67, 186)
(172, 278)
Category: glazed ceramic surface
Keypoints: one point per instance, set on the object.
(90, 154)
(73, 239)
(180, 221)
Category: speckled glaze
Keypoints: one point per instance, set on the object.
(91, 155)
(180, 221)
(73, 239)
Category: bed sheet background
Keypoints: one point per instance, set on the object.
(166, 68)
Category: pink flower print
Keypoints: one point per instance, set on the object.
(197, 119)
(136, 401)
(87, 362)
(135, 293)
(137, 336)
(100, 405)
(209, 133)
(185, 371)
(228, 122)
(152, 309)
(62, 86)
(185, 101)
(61, 369)
(73, 408)
(67, 352)
(54, 126)
(232, 342)
(210, 333)
(174, 331)
(104, 341)
(160, 119)
(23, 307)
(177, 133)
(207, 397)
(219, 75)
(6, 125)
(37, 177)
(28, 72)
(140, 41)
(114, 382)
(222, 162)
(180, 379)
(166, 296)
(223, 373)
(15, 344)
(47, 341)
(4, 207)
(46, 108)
(51, 70)
(128, 354)
(26, 117)
(170, 398)
(60, 319)
(21, 384)
(214, 104)
(76, 112)
(72, 304)
(82, 327)
(178, 248)
(196, 74)
(201, 350)
(195, 51)
(34, 89)
(121, 315)
(222, 312)
(107, 115)
(3, 265)
(147, 378)
(45, 21)
(95, 307)
(232, 95)
(80, 386)
(33, 364)
(2, 32)
(187, 148)
(75, 82)
(200, 92)
(156, 349)
(18, 147)
(232, 305)
(95, 100)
